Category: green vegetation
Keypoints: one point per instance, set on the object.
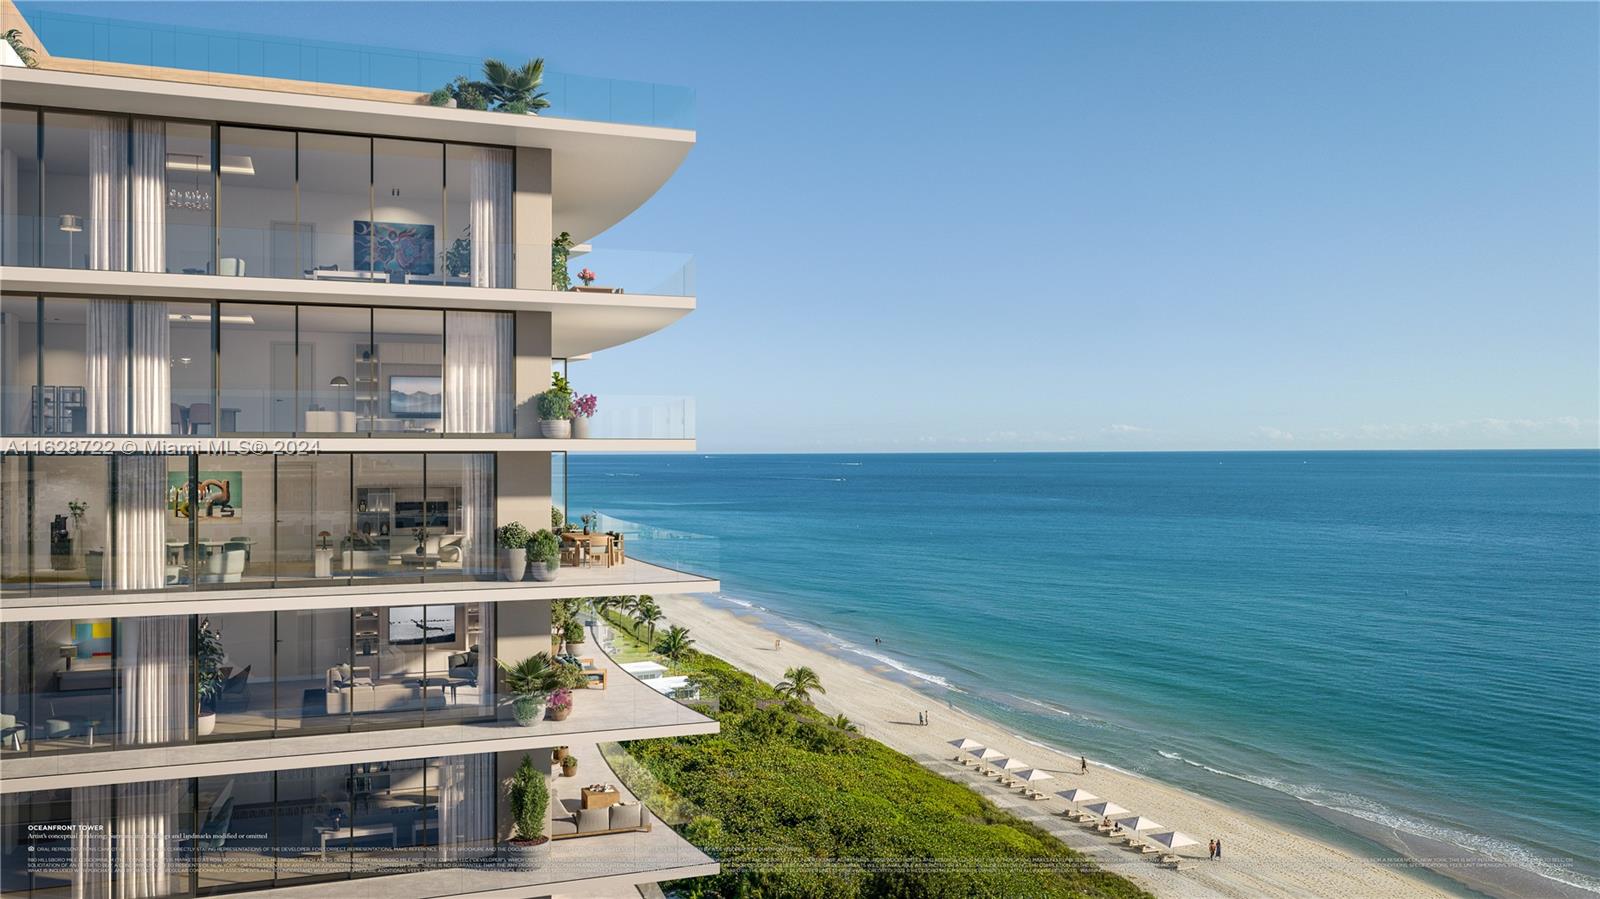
(798, 683)
(675, 643)
(555, 404)
(504, 88)
(513, 536)
(529, 796)
(560, 252)
(24, 52)
(796, 805)
(545, 547)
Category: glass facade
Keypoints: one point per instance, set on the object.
(72, 366)
(232, 832)
(101, 684)
(128, 523)
(113, 192)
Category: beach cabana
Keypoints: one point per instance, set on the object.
(964, 746)
(1032, 776)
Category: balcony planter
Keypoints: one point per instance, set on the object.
(558, 429)
(583, 408)
(555, 408)
(539, 571)
(529, 710)
(513, 564)
(544, 556)
(580, 428)
(560, 704)
(206, 723)
(528, 855)
(569, 766)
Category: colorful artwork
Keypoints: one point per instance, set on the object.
(220, 494)
(394, 247)
(92, 638)
(416, 396)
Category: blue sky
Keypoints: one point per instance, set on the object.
(1084, 227)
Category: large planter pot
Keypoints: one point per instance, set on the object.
(528, 710)
(569, 770)
(539, 571)
(580, 428)
(527, 855)
(560, 428)
(206, 724)
(560, 714)
(575, 649)
(513, 564)
(557, 754)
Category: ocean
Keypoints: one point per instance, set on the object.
(1381, 648)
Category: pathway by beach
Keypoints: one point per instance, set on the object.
(1261, 859)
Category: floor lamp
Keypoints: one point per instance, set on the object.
(72, 224)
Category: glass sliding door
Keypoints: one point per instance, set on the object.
(190, 199)
(410, 370)
(339, 392)
(392, 517)
(336, 207)
(192, 354)
(19, 186)
(257, 362)
(19, 363)
(407, 237)
(259, 233)
(85, 191)
(243, 702)
(236, 832)
(319, 685)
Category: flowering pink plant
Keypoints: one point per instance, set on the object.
(561, 699)
(583, 406)
(586, 276)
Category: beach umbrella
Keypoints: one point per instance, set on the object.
(1077, 795)
(965, 744)
(987, 755)
(1174, 840)
(1106, 809)
(1138, 823)
(1034, 775)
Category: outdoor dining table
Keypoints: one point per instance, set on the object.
(578, 544)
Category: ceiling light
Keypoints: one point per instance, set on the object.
(231, 165)
(190, 317)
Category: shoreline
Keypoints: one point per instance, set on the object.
(1261, 858)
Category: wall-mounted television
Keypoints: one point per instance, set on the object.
(421, 625)
(415, 396)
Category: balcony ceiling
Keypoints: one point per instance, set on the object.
(602, 171)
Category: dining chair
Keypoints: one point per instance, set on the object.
(598, 550)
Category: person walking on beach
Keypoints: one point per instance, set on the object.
(776, 644)
(1083, 765)
(1219, 850)
(1211, 850)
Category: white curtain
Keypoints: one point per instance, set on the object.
(153, 679)
(477, 378)
(147, 196)
(138, 522)
(478, 515)
(108, 192)
(491, 217)
(150, 368)
(466, 800)
(147, 828)
(486, 666)
(106, 367)
(91, 844)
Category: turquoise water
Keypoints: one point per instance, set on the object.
(1390, 644)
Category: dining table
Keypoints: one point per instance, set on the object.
(575, 547)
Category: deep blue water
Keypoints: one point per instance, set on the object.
(1411, 639)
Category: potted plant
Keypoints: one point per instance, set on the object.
(583, 409)
(458, 259)
(208, 677)
(572, 635)
(529, 683)
(555, 408)
(569, 766)
(530, 798)
(544, 560)
(586, 276)
(560, 704)
(513, 539)
(557, 754)
(560, 252)
(556, 518)
(591, 523)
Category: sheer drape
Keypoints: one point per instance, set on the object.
(491, 217)
(108, 192)
(477, 374)
(105, 359)
(466, 800)
(127, 344)
(147, 196)
(91, 842)
(147, 828)
(138, 560)
(150, 368)
(478, 515)
(153, 679)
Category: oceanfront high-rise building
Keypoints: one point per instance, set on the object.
(285, 336)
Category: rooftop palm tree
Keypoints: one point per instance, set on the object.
(675, 642)
(798, 683)
(514, 89)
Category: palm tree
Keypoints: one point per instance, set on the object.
(845, 724)
(514, 90)
(24, 52)
(535, 675)
(798, 683)
(675, 642)
(649, 613)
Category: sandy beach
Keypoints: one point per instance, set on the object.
(1259, 859)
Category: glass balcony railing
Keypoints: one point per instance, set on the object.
(633, 271)
(623, 417)
(303, 59)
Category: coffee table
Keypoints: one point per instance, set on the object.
(606, 798)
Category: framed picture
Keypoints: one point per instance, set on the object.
(393, 247)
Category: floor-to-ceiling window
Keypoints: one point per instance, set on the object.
(258, 233)
(19, 186)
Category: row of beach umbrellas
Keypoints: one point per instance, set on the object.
(1083, 800)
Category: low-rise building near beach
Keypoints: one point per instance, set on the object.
(284, 347)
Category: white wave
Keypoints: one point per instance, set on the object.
(895, 663)
(1375, 812)
(737, 601)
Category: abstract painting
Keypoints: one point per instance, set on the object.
(394, 247)
(221, 494)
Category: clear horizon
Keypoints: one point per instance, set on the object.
(1177, 227)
